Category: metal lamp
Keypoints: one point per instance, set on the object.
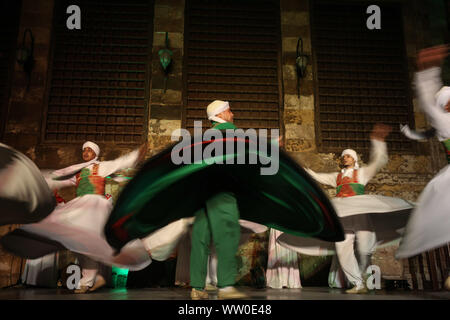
(25, 56)
(165, 59)
(301, 63)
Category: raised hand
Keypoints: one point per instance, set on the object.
(380, 131)
(431, 57)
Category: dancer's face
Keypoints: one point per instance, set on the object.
(88, 154)
(348, 161)
(226, 115)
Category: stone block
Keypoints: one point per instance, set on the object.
(297, 18)
(293, 102)
(298, 5)
(163, 127)
(169, 97)
(165, 112)
(157, 143)
(168, 18)
(299, 145)
(288, 30)
(172, 83)
(289, 73)
(420, 121)
(176, 39)
(292, 117)
(289, 44)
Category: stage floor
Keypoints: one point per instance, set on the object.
(307, 293)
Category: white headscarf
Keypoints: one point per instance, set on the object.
(352, 153)
(94, 148)
(442, 97)
(216, 107)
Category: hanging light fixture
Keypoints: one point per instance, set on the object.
(301, 63)
(165, 59)
(25, 54)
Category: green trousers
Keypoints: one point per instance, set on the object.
(220, 222)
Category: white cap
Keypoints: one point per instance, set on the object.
(93, 146)
(352, 153)
(216, 107)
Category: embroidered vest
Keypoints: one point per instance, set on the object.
(447, 149)
(90, 183)
(347, 187)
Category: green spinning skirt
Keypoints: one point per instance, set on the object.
(163, 192)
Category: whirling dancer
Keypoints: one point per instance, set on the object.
(218, 194)
(78, 225)
(364, 217)
(429, 224)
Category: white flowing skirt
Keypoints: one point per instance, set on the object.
(78, 225)
(282, 265)
(386, 216)
(24, 194)
(429, 224)
(162, 243)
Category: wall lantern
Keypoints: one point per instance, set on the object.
(301, 63)
(165, 59)
(25, 54)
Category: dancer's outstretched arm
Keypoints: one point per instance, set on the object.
(328, 179)
(378, 153)
(129, 160)
(416, 135)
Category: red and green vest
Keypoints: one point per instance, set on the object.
(348, 186)
(447, 148)
(90, 182)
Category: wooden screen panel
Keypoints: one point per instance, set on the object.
(100, 73)
(361, 76)
(232, 54)
(9, 25)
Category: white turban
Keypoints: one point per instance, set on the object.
(352, 153)
(93, 146)
(442, 97)
(216, 107)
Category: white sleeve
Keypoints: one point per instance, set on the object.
(378, 159)
(324, 178)
(428, 83)
(127, 161)
(55, 184)
(413, 134)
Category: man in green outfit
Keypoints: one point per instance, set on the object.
(219, 221)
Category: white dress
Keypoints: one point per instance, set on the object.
(24, 194)
(78, 224)
(282, 265)
(429, 224)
